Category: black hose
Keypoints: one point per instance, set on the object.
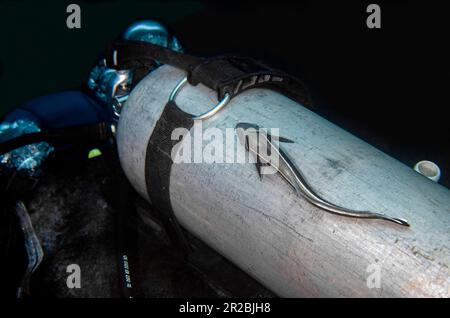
(77, 134)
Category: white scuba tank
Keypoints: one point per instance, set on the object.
(265, 228)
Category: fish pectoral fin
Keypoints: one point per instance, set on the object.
(285, 140)
(278, 138)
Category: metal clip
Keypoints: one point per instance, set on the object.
(207, 114)
(119, 90)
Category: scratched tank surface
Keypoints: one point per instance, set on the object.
(73, 212)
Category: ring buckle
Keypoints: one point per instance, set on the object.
(207, 114)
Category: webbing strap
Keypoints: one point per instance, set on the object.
(142, 57)
(158, 163)
(234, 74)
(124, 52)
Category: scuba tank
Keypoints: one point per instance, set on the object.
(387, 235)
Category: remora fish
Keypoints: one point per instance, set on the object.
(256, 139)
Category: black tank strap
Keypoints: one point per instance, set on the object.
(142, 57)
(234, 74)
(158, 163)
(123, 52)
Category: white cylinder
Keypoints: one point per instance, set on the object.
(265, 228)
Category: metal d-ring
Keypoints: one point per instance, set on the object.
(207, 114)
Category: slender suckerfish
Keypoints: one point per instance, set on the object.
(255, 139)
